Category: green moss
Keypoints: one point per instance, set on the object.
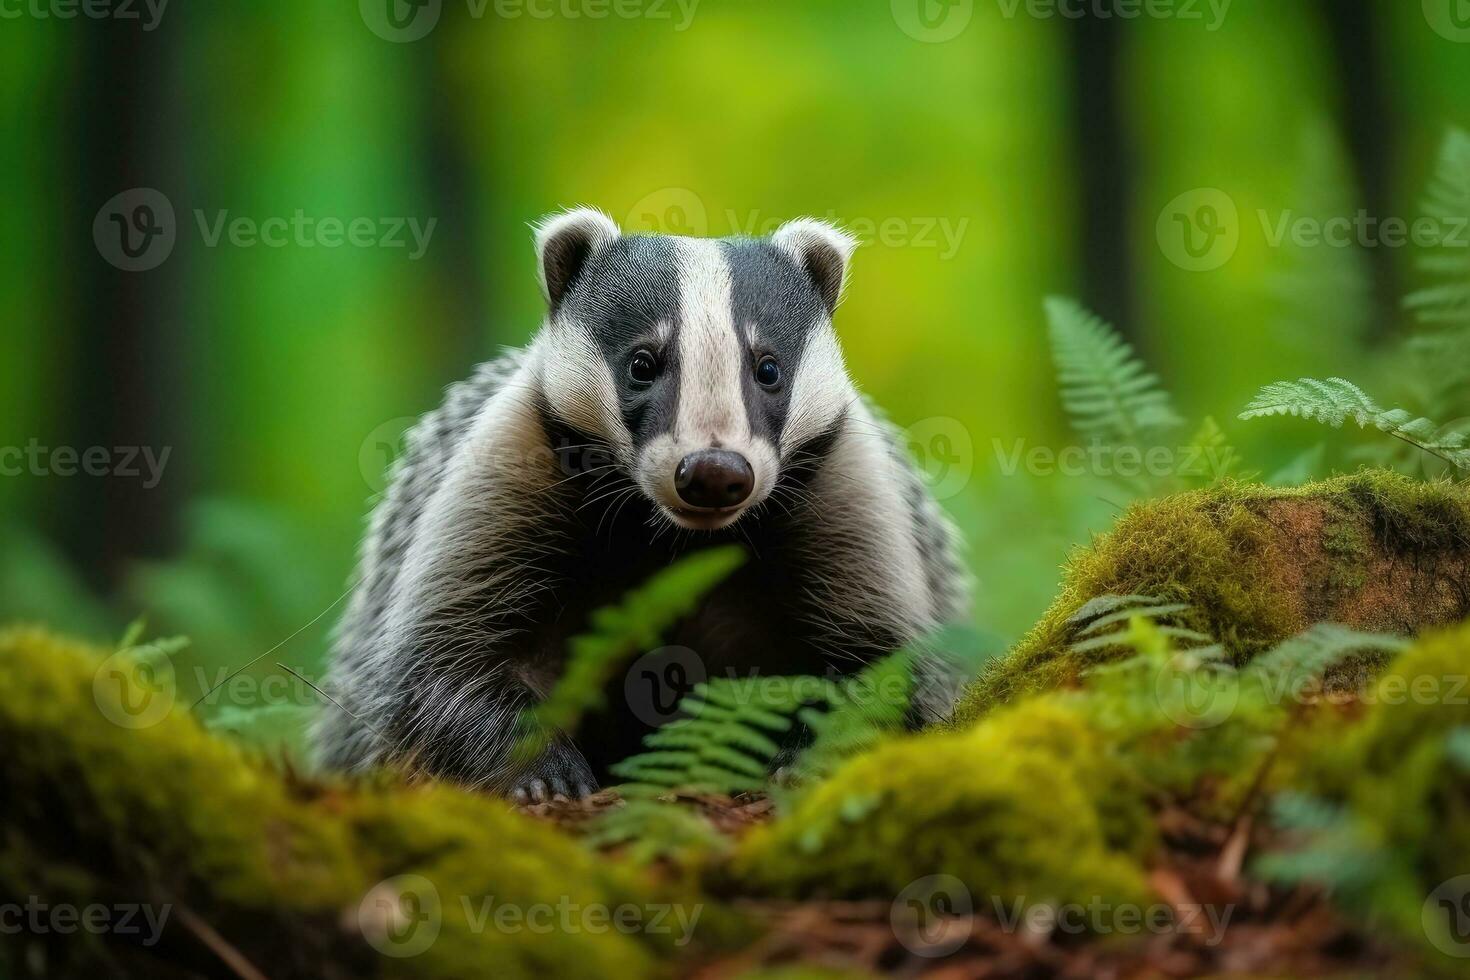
(169, 813)
(1406, 794)
(1026, 806)
(1256, 565)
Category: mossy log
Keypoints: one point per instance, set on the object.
(1373, 550)
(262, 871)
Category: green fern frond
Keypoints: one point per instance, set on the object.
(1335, 400)
(618, 633)
(858, 713)
(1106, 390)
(725, 743)
(1322, 293)
(1314, 654)
(651, 830)
(133, 644)
(1112, 621)
(1447, 202)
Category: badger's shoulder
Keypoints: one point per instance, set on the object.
(883, 555)
(429, 446)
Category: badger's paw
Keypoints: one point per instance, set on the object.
(560, 774)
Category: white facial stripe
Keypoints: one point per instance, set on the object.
(711, 407)
(820, 389)
(579, 385)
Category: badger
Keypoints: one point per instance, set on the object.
(680, 392)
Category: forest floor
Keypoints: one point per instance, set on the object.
(1272, 931)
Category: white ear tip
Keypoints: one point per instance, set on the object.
(565, 241)
(822, 251)
(589, 221)
(800, 234)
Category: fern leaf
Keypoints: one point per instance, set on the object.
(1106, 390)
(1315, 652)
(1335, 400)
(1448, 203)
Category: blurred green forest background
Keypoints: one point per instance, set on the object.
(991, 153)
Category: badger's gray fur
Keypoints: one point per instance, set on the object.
(545, 486)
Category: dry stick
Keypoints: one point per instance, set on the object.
(1232, 855)
(221, 947)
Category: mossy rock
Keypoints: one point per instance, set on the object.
(1374, 550)
(1026, 806)
(295, 877)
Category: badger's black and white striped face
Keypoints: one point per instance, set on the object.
(705, 364)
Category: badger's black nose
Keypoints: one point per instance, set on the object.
(713, 478)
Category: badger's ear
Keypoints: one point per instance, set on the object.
(564, 243)
(821, 251)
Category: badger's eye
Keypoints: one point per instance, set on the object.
(767, 371)
(643, 368)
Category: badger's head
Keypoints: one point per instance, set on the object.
(705, 365)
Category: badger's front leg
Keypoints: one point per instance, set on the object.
(469, 719)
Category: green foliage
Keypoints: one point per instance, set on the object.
(858, 712)
(1446, 305)
(1108, 621)
(1335, 400)
(132, 642)
(620, 632)
(1322, 292)
(1029, 803)
(731, 732)
(1107, 391)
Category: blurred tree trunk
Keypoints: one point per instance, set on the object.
(1105, 175)
(127, 365)
(1351, 27)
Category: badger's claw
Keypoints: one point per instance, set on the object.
(554, 789)
(560, 774)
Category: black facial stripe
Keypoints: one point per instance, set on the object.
(623, 295)
(775, 308)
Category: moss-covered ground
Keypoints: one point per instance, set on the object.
(1068, 823)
